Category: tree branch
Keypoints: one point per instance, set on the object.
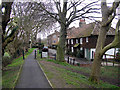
(116, 41)
(111, 11)
(51, 14)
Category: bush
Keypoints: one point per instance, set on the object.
(79, 54)
(78, 64)
(118, 56)
(6, 60)
(74, 54)
(71, 53)
(34, 46)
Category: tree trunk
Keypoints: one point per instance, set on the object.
(5, 20)
(0, 43)
(61, 45)
(96, 66)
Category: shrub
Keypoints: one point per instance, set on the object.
(79, 54)
(34, 46)
(6, 60)
(78, 64)
(118, 55)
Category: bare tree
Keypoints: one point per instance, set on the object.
(33, 19)
(65, 19)
(5, 19)
(108, 14)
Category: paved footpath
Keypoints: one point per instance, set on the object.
(32, 75)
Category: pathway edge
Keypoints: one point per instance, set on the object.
(44, 74)
(18, 75)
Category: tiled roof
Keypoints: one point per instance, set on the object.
(56, 32)
(87, 30)
(83, 31)
(97, 29)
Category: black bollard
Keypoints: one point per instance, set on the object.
(55, 56)
(73, 61)
(35, 54)
(68, 60)
(41, 54)
(23, 55)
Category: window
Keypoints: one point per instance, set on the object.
(54, 36)
(72, 49)
(71, 41)
(76, 40)
(86, 39)
(68, 41)
(54, 41)
(58, 39)
(81, 40)
(81, 48)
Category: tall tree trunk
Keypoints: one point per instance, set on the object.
(0, 41)
(95, 73)
(5, 20)
(61, 45)
(96, 66)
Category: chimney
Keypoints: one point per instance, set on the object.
(82, 21)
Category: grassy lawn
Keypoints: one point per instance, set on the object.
(10, 74)
(64, 75)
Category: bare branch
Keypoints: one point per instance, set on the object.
(112, 12)
(53, 15)
(116, 41)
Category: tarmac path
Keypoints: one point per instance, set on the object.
(31, 75)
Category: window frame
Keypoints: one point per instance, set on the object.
(86, 39)
(81, 40)
(71, 41)
(76, 40)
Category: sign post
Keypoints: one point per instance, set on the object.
(44, 54)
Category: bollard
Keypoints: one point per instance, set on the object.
(23, 55)
(41, 54)
(68, 60)
(35, 54)
(55, 56)
(113, 62)
(73, 61)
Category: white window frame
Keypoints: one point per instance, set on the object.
(72, 49)
(68, 41)
(81, 48)
(71, 41)
(76, 40)
(81, 40)
(86, 39)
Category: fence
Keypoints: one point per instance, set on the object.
(112, 58)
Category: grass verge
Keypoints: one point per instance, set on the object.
(61, 77)
(11, 74)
